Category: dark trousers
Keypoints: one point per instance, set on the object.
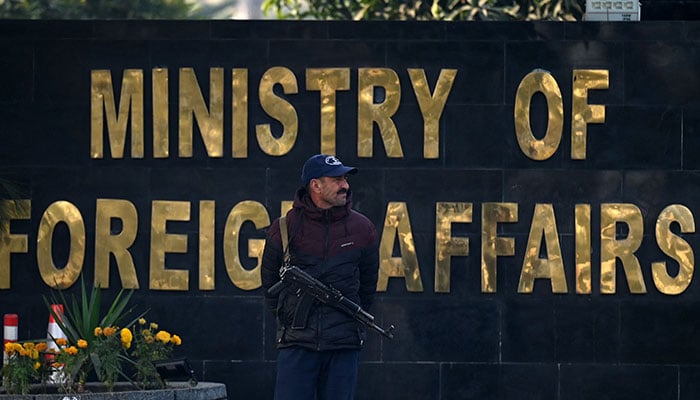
(316, 375)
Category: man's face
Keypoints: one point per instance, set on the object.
(331, 191)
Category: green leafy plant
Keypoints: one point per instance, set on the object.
(24, 365)
(419, 10)
(94, 342)
(81, 318)
(104, 9)
(149, 347)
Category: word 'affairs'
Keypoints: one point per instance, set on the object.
(116, 236)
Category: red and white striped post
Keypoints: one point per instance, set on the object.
(10, 332)
(54, 332)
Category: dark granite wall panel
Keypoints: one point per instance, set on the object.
(626, 382)
(463, 344)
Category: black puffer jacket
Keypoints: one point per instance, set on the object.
(338, 246)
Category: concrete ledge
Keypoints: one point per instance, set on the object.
(126, 391)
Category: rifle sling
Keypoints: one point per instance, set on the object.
(303, 308)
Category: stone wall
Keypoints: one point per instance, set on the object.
(496, 323)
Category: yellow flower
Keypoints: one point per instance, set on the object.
(61, 341)
(109, 331)
(154, 325)
(29, 346)
(33, 354)
(98, 331)
(176, 340)
(37, 365)
(72, 350)
(41, 346)
(126, 337)
(17, 347)
(163, 336)
(10, 348)
(142, 321)
(149, 339)
(82, 343)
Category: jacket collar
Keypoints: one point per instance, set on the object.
(302, 200)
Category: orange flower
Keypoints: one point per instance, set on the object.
(72, 350)
(82, 343)
(109, 331)
(61, 341)
(41, 346)
(98, 331)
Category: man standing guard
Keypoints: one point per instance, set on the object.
(319, 346)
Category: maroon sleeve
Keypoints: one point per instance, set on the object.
(271, 262)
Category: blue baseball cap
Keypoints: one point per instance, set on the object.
(323, 165)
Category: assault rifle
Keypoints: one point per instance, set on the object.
(293, 275)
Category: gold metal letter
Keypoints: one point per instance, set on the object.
(11, 243)
(369, 112)
(130, 103)
(431, 106)
(107, 243)
(676, 248)
(279, 109)
(447, 246)
(163, 242)
(583, 113)
(406, 266)
(583, 248)
(611, 248)
(534, 267)
(256, 213)
(538, 81)
(206, 244)
(161, 115)
(57, 212)
(239, 121)
(492, 245)
(210, 123)
(328, 81)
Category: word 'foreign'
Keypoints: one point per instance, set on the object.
(111, 242)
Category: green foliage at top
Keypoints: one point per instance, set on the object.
(436, 10)
(95, 9)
